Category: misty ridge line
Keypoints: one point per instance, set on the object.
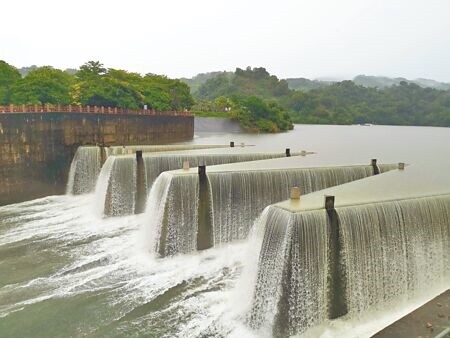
(300, 83)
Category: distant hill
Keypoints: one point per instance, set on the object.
(305, 85)
(25, 70)
(199, 79)
(383, 82)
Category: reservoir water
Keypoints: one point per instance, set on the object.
(65, 271)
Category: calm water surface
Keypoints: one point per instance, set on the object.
(65, 272)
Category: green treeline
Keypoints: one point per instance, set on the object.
(251, 96)
(258, 100)
(92, 84)
(343, 102)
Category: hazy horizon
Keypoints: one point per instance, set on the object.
(310, 39)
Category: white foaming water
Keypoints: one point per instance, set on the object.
(178, 231)
(115, 192)
(102, 258)
(291, 284)
(84, 170)
(154, 215)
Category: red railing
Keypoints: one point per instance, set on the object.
(48, 108)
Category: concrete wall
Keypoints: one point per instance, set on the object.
(36, 148)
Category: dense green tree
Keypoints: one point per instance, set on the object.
(43, 85)
(99, 86)
(254, 114)
(9, 76)
(347, 103)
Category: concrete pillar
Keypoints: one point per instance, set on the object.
(204, 230)
(202, 170)
(141, 188)
(232, 144)
(374, 165)
(288, 152)
(329, 202)
(337, 288)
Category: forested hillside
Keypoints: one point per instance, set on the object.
(92, 84)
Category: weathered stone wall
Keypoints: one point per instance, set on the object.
(36, 148)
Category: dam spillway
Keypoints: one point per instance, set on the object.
(88, 160)
(224, 203)
(125, 181)
(385, 238)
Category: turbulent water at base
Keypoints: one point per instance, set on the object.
(239, 197)
(116, 187)
(390, 252)
(84, 170)
(64, 272)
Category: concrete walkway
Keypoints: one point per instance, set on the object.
(428, 321)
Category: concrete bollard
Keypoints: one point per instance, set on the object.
(138, 155)
(288, 152)
(401, 166)
(295, 193)
(185, 165)
(232, 144)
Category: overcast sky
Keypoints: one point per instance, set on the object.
(291, 38)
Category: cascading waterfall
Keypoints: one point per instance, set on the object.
(389, 252)
(115, 192)
(84, 170)
(239, 197)
(291, 286)
(157, 200)
(87, 162)
(176, 231)
(394, 249)
(154, 165)
(236, 199)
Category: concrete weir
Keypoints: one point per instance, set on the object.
(358, 247)
(226, 199)
(125, 181)
(88, 160)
